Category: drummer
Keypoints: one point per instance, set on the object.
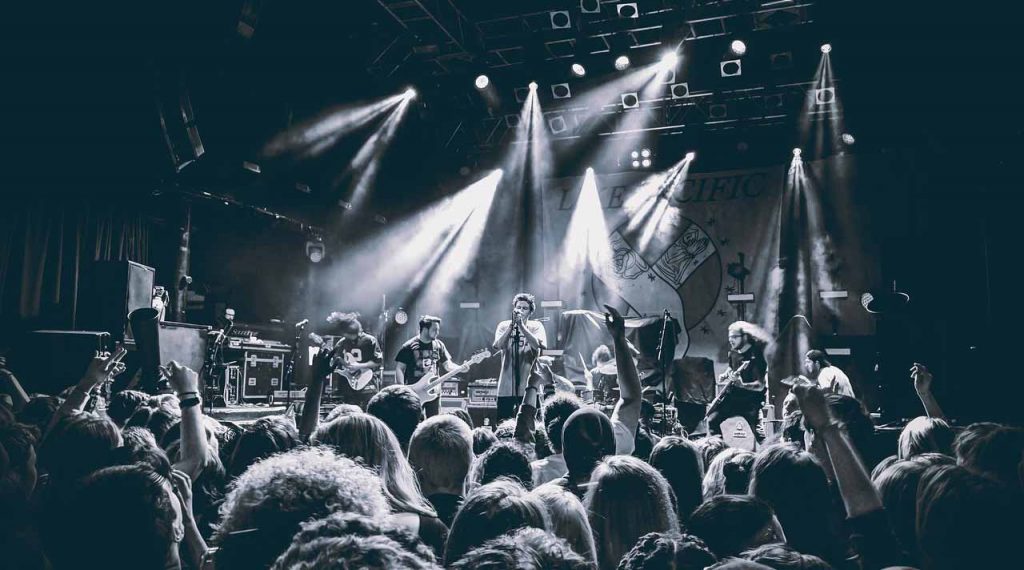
(603, 376)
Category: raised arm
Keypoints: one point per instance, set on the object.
(501, 336)
(923, 386)
(526, 418)
(100, 368)
(194, 449)
(9, 385)
(314, 393)
(627, 409)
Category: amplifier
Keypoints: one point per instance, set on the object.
(451, 398)
(262, 372)
(483, 393)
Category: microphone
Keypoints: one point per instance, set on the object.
(302, 323)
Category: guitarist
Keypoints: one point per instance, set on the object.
(356, 351)
(423, 354)
(747, 387)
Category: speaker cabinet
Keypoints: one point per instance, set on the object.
(111, 291)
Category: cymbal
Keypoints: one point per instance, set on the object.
(608, 369)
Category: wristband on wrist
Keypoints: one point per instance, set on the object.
(182, 394)
(189, 402)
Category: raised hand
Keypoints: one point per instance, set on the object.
(922, 378)
(813, 405)
(102, 367)
(614, 321)
(182, 378)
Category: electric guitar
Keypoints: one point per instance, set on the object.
(428, 387)
(357, 379)
(734, 377)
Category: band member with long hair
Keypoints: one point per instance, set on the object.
(745, 379)
(423, 354)
(354, 352)
(520, 341)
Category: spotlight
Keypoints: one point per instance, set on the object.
(622, 63)
(590, 170)
(401, 317)
(482, 81)
(826, 48)
(410, 94)
(691, 155)
(737, 47)
(561, 91)
(646, 163)
(646, 153)
(315, 250)
(670, 59)
(680, 90)
(824, 96)
(578, 70)
(848, 138)
(635, 154)
(796, 153)
(533, 86)
(636, 164)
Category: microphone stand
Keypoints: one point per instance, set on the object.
(515, 355)
(664, 370)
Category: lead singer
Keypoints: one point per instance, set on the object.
(520, 341)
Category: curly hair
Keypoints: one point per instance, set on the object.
(555, 411)
(266, 504)
(491, 511)
(626, 500)
(526, 549)
(338, 525)
(264, 438)
(525, 297)
(124, 403)
(483, 439)
(668, 551)
(504, 459)
(376, 552)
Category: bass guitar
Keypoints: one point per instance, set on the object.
(428, 388)
(357, 379)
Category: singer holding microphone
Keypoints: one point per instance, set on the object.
(520, 341)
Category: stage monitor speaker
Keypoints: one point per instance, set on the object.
(112, 290)
(47, 362)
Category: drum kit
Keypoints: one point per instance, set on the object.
(605, 394)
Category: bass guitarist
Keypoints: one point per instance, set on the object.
(745, 381)
(424, 354)
(355, 359)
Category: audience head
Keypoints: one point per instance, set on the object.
(587, 437)
(490, 511)
(399, 408)
(568, 519)
(342, 410)
(711, 446)
(264, 438)
(525, 549)
(18, 473)
(348, 540)
(897, 487)
(266, 504)
(441, 453)
(729, 473)
(993, 450)
(505, 459)
(668, 551)
(554, 412)
(627, 499)
(923, 435)
(680, 462)
(39, 411)
(156, 419)
(785, 557)
(78, 445)
(483, 439)
(966, 520)
(139, 507)
(124, 403)
(462, 415)
(795, 485)
(366, 438)
(730, 524)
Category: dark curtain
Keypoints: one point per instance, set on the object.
(46, 247)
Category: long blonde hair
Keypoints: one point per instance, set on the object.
(366, 438)
(568, 519)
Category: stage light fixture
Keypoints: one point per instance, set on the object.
(826, 48)
(796, 153)
(401, 317)
(848, 138)
(578, 70)
(737, 47)
(557, 124)
(560, 20)
(410, 94)
(731, 68)
(718, 111)
(521, 94)
(482, 81)
(781, 61)
(630, 101)
(646, 153)
(533, 86)
(252, 167)
(561, 91)
(824, 96)
(512, 121)
(315, 250)
(669, 60)
(636, 164)
(634, 154)
(627, 10)
(680, 90)
(646, 163)
(691, 155)
(590, 6)
(622, 63)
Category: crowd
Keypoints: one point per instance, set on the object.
(149, 481)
